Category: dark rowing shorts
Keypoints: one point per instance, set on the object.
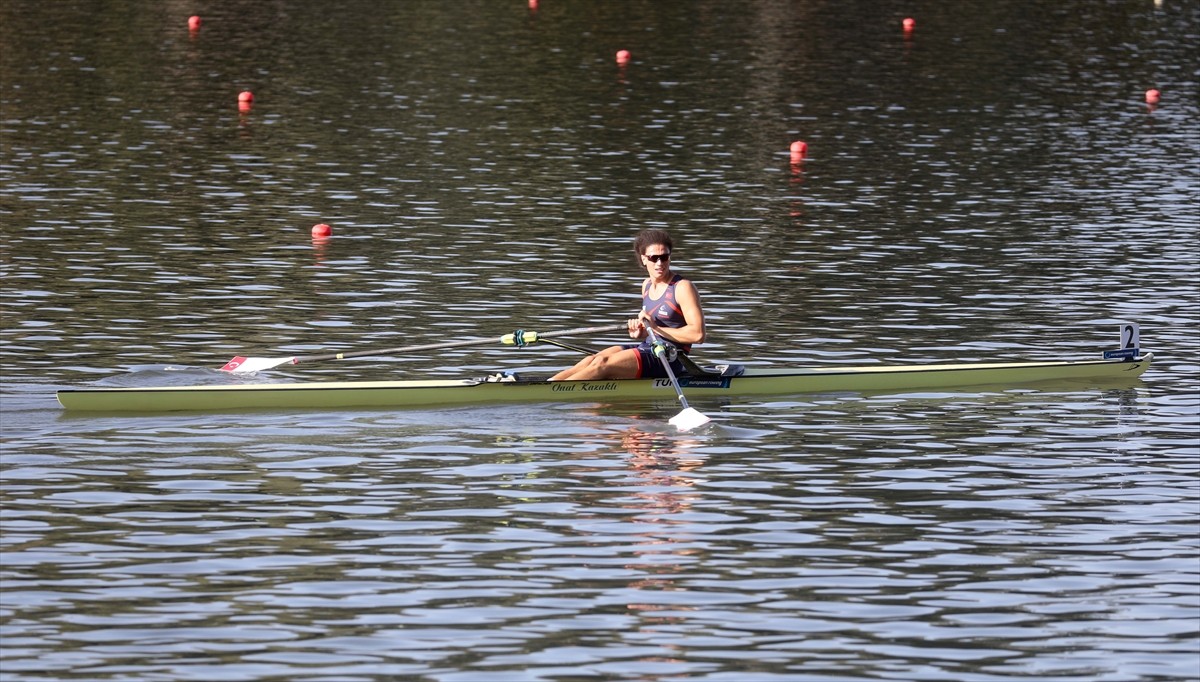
(649, 366)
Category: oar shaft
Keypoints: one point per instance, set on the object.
(517, 338)
(661, 352)
(687, 418)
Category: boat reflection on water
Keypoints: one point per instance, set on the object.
(659, 451)
(666, 469)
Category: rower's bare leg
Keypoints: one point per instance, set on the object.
(579, 366)
(610, 363)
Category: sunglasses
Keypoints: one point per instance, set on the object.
(658, 258)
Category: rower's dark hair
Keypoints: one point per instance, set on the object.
(650, 238)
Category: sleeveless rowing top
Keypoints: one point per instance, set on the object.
(664, 309)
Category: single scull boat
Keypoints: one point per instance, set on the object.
(720, 381)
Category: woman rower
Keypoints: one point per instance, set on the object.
(670, 307)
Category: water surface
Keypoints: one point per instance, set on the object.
(990, 187)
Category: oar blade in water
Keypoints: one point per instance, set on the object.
(689, 419)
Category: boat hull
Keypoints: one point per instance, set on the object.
(754, 381)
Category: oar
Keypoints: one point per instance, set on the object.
(689, 418)
(517, 338)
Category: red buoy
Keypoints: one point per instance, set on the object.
(799, 150)
(194, 23)
(321, 230)
(246, 96)
(623, 56)
(1152, 96)
(909, 24)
